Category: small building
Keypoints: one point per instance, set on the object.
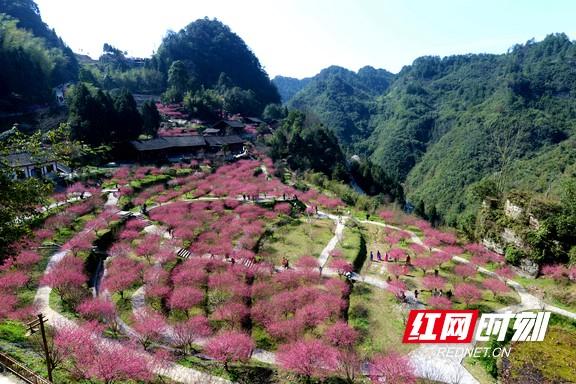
(162, 148)
(253, 121)
(25, 165)
(230, 127)
(231, 144)
(182, 147)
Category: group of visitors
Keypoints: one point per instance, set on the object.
(387, 257)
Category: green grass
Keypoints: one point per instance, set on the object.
(477, 370)
(375, 236)
(252, 372)
(298, 238)
(124, 305)
(263, 339)
(26, 349)
(378, 317)
(12, 332)
(350, 243)
(552, 360)
(56, 304)
(558, 294)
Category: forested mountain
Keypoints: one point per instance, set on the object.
(446, 125)
(209, 55)
(289, 86)
(342, 99)
(32, 57)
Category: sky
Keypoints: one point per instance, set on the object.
(298, 38)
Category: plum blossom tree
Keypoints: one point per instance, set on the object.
(391, 368)
(307, 262)
(189, 331)
(283, 208)
(397, 254)
(433, 282)
(230, 346)
(386, 215)
(122, 273)
(496, 286)
(505, 272)
(88, 358)
(98, 308)
(341, 335)
(67, 278)
(468, 293)
(233, 314)
(289, 330)
(418, 249)
(8, 302)
(115, 363)
(442, 257)
(184, 298)
(308, 358)
(425, 263)
(81, 242)
(12, 280)
(397, 269)
(342, 266)
(27, 258)
(397, 287)
(556, 272)
(439, 302)
(465, 270)
(148, 326)
(311, 315)
(453, 250)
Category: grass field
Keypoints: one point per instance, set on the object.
(379, 318)
(558, 294)
(297, 238)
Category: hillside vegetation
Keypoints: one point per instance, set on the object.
(32, 57)
(441, 126)
(342, 99)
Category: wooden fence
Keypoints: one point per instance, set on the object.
(20, 370)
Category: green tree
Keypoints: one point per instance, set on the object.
(150, 118)
(208, 48)
(177, 81)
(128, 120)
(307, 147)
(274, 112)
(241, 101)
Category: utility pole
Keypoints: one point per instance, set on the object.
(33, 327)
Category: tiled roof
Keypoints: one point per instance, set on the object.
(168, 142)
(218, 141)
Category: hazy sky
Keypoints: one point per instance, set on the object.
(300, 37)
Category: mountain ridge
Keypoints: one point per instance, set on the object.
(441, 125)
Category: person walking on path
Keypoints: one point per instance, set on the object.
(379, 255)
(371, 256)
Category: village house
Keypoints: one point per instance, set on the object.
(230, 127)
(24, 166)
(181, 147)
